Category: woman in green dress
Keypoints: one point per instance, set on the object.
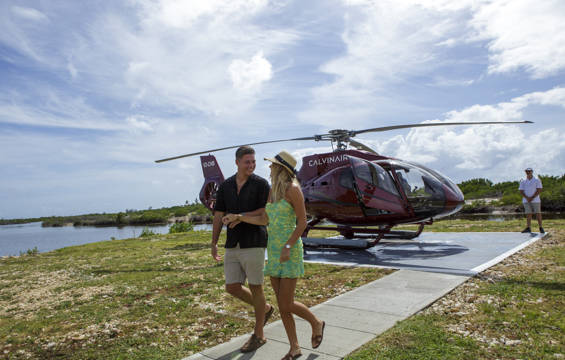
(286, 216)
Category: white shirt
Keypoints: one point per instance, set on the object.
(529, 187)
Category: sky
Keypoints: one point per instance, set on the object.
(92, 92)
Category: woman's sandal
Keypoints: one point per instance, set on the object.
(317, 340)
(289, 356)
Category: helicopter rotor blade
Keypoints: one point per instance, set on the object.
(396, 127)
(233, 147)
(361, 146)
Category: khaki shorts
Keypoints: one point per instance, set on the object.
(532, 208)
(244, 263)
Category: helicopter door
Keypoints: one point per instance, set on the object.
(375, 188)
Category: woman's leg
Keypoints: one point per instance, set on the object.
(284, 289)
(297, 308)
(304, 312)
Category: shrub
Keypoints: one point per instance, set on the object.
(147, 232)
(30, 252)
(181, 227)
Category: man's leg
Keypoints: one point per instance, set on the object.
(539, 220)
(529, 220)
(235, 276)
(239, 291)
(253, 262)
(259, 304)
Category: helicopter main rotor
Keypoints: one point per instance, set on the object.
(342, 137)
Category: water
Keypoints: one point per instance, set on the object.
(18, 238)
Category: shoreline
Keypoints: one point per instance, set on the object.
(208, 219)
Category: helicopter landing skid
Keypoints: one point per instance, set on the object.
(341, 242)
(401, 234)
(356, 238)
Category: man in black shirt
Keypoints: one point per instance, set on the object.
(245, 246)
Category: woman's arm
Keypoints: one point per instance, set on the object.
(256, 219)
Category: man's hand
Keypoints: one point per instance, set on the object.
(285, 255)
(215, 254)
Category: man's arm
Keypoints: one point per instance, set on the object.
(259, 219)
(216, 230)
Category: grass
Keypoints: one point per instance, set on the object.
(514, 310)
(162, 297)
(156, 297)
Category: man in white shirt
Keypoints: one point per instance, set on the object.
(530, 188)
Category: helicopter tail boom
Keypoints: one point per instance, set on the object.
(213, 177)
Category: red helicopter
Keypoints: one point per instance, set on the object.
(362, 193)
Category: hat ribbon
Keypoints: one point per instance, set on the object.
(283, 161)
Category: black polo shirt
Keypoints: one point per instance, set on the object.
(252, 196)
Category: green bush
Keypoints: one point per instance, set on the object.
(30, 252)
(147, 232)
(511, 198)
(181, 227)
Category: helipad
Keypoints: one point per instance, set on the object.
(462, 253)
(430, 267)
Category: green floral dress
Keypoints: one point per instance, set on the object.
(282, 222)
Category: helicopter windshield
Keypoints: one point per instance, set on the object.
(444, 179)
(417, 183)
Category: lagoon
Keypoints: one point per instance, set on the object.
(18, 238)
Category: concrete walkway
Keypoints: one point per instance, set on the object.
(358, 316)
(352, 319)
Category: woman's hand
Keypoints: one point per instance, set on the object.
(229, 218)
(234, 224)
(285, 255)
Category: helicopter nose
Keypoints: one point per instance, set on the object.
(454, 200)
(454, 196)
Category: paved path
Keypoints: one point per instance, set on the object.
(352, 319)
(358, 316)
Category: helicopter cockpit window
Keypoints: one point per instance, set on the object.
(377, 176)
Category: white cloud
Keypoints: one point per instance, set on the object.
(249, 76)
(29, 13)
(390, 44)
(497, 152)
(555, 97)
(386, 43)
(182, 14)
(524, 34)
(72, 70)
(46, 106)
(138, 125)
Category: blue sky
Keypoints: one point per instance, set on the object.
(91, 93)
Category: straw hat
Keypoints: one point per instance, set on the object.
(285, 160)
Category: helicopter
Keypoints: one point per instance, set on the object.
(357, 192)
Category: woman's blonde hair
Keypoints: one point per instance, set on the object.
(281, 179)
